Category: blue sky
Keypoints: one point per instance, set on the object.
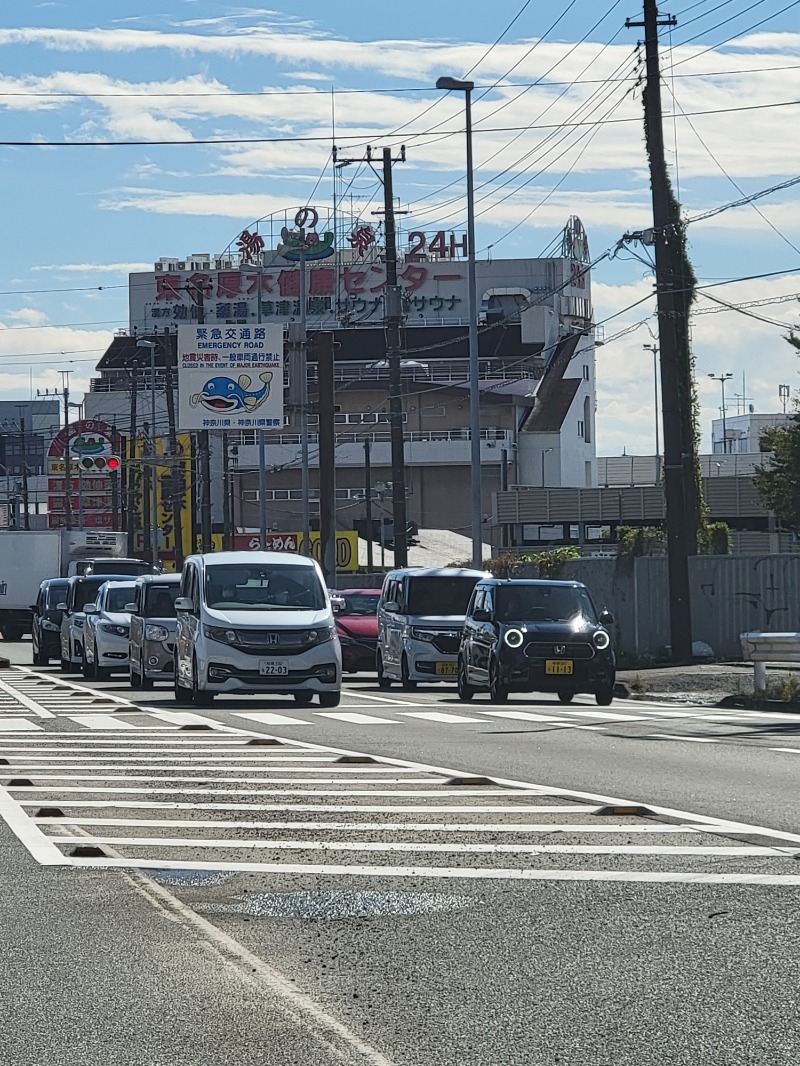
(557, 132)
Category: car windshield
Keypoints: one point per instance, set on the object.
(261, 588)
(439, 595)
(358, 603)
(160, 600)
(543, 603)
(86, 591)
(118, 597)
(56, 594)
(121, 566)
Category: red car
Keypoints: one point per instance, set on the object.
(356, 614)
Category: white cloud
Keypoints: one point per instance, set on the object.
(92, 268)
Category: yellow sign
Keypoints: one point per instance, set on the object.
(346, 549)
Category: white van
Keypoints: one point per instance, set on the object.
(420, 617)
(255, 622)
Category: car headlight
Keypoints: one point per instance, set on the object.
(601, 639)
(318, 635)
(118, 631)
(422, 634)
(223, 636)
(514, 638)
(152, 632)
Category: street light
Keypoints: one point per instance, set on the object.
(153, 479)
(545, 451)
(654, 349)
(457, 85)
(722, 378)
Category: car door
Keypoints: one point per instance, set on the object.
(136, 637)
(468, 634)
(66, 622)
(484, 638)
(395, 624)
(188, 621)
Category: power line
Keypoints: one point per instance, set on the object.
(744, 200)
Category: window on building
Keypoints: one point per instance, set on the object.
(587, 420)
(581, 427)
(586, 373)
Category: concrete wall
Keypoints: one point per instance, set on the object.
(730, 595)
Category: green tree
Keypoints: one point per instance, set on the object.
(778, 482)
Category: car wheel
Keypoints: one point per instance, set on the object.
(65, 666)
(146, 682)
(566, 697)
(329, 699)
(498, 693)
(406, 684)
(40, 658)
(383, 682)
(465, 690)
(101, 673)
(303, 698)
(604, 695)
(134, 677)
(88, 668)
(200, 697)
(182, 695)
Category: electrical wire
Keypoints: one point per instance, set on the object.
(733, 37)
(744, 200)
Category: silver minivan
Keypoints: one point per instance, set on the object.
(255, 622)
(420, 618)
(153, 624)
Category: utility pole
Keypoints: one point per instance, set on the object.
(26, 519)
(132, 475)
(227, 522)
(204, 442)
(177, 468)
(327, 458)
(393, 319)
(368, 503)
(678, 511)
(67, 457)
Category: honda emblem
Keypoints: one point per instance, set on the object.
(560, 649)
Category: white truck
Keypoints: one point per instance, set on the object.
(28, 557)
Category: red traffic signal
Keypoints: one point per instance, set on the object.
(113, 463)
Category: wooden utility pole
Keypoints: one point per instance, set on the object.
(132, 467)
(67, 457)
(327, 457)
(23, 449)
(177, 466)
(673, 398)
(204, 448)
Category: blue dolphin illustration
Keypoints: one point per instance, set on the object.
(223, 394)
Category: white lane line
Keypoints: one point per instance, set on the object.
(19, 725)
(525, 716)
(59, 682)
(236, 763)
(99, 721)
(398, 792)
(270, 718)
(38, 844)
(32, 705)
(346, 827)
(688, 740)
(438, 716)
(356, 718)
(790, 751)
(383, 699)
(608, 716)
(453, 811)
(431, 847)
(187, 718)
(454, 873)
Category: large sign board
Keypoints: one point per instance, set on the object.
(230, 377)
(346, 545)
(91, 444)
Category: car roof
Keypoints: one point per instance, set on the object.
(120, 583)
(97, 577)
(162, 579)
(517, 581)
(248, 558)
(438, 571)
(355, 592)
(48, 581)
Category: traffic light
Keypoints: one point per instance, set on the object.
(114, 463)
(100, 463)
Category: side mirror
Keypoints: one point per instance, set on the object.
(482, 615)
(35, 608)
(184, 603)
(130, 608)
(91, 608)
(605, 617)
(392, 606)
(61, 607)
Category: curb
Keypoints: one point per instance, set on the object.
(753, 703)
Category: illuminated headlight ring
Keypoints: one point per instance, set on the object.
(601, 639)
(514, 638)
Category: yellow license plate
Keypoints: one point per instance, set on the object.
(558, 666)
(450, 668)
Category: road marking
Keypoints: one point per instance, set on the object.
(680, 736)
(356, 718)
(608, 715)
(38, 844)
(790, 751)
(438, 716)
(383, 699)
(340, 827)
(270, 718)
(525, 716)
(35, 708)
(100, 721)
(19, 725)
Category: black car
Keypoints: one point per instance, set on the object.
(535, 636)
(46, 629)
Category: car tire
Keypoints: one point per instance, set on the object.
(566, 697)
(147, 682)
(498, 693)
(406, 684)
(303, 699)
(88, 669)
(604, 695)
(383, 682)
(65, 666)
(329, 699)
(200, 697)
(101, 673)
(134, 678)
(465, 690)
(40, 658)
(182, 695)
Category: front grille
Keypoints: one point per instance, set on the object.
(272, 642)
(539, 649)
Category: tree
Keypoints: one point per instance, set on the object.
(778, 482)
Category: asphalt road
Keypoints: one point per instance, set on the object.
(628, 943)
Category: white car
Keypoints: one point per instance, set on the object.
(107, 629)
(80, 591)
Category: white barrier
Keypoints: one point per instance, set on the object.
(762, 648)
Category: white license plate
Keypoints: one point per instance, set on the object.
(273, 667)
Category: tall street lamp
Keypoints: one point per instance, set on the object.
(722, 378)
(153, 478)
(457, 85)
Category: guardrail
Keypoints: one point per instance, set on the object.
(762, 648)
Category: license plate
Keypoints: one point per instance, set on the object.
(447, 668)
(273, 667)
(558, 666)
